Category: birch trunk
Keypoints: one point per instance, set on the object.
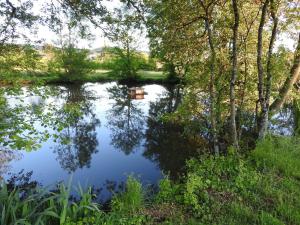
(263, 117)
(234, 76)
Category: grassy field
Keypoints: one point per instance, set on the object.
(96, 76)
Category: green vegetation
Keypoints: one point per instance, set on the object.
(252, 190)
(38, 206)
(73, 61)
(24, 65)
(237, 76)
(96, 76)
(262, 188)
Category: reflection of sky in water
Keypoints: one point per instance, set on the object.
(115, 137)
(282, 123)
(106, 162)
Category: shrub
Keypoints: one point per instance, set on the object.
(260, 189)
(168, 192)
(131, 200)
(73, 61)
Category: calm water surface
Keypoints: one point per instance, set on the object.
(100, 135)
(113, 137)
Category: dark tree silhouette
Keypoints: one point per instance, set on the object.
(78, 140)
(166, 143)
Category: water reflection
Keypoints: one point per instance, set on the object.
(6, 157)
(125, 119)
(77, 142)
(283, 123)
(166, 144)
(148, 145)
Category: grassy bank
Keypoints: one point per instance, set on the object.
(260, 188)
(97, 76)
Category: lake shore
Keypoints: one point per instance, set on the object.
(262, 188)
(144, 77)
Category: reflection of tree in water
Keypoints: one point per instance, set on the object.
(283, 122)
(6, 156)
(125, 120)
(77, 140)
(22, 181)
(165, 142)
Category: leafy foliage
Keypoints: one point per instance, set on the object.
(259, 189)
(73, 61)
(17, 59)
(125, 64)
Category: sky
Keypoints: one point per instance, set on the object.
(50, 37)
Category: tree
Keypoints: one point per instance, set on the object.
(16, 19)
(292, 78)
(18, 59)
(123, 30)
(229, 32)
(71, 29)
(234, 74)
(73, 61)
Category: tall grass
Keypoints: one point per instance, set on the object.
(39, 206)
(131, 200)
(279, 153)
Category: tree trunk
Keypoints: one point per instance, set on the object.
(234, 76)
(263, 117)
(289, 82)
(212, 87)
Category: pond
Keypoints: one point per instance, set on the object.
(100, 135)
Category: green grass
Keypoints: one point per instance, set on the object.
(96, 76)
(262, 188)
(152, 75)
(143, 76)
(282, 154)
(130, 201)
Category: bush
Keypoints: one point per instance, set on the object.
(131, 200)
(16, 59)
(261, 189)
(168, 192)
(212, 183)
(73, 61)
